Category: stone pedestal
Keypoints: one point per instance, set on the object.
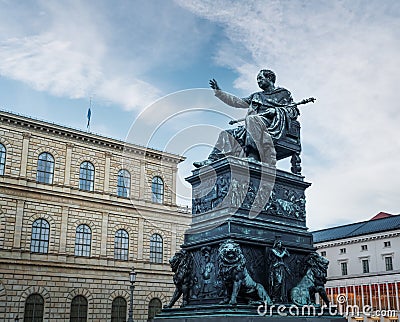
(253, 205)
(234, 198)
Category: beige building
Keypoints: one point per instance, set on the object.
(77, 211)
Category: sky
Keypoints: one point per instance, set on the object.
(145, 66)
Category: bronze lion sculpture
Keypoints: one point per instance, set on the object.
(312, 282)
(235, 278)
(181, 264)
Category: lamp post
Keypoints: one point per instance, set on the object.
(132, 279)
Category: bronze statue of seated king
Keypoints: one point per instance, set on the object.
(270, 132)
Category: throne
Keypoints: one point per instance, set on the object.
(289, 146)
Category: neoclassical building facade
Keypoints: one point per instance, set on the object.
(77, 211)
(364, 268)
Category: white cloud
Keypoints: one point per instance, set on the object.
(81, 49)
(345, 54)
(49, 64)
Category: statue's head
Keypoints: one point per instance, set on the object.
(277, 244)
(177, 259)
(315, 259)
(266, 74)
(230, 253)
(206, 252)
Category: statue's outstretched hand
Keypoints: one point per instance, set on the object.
(214, 84)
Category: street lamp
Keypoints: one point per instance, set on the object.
(132, 279)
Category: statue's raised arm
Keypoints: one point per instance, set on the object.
(228, 99)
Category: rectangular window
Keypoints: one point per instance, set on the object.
(2, 159)
(323, 253)
(156, 249)
(83, 240)
(364, 247)
(386, 244)
(344, 268)
(365, 265)
(389, 263)
(121, 245)
(45, 168)
(342, 250)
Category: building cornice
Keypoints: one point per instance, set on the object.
(91, 263)
(73, 196)
(361, 239)
(351, 277)
(27, 123)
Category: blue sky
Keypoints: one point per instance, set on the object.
(131, 55)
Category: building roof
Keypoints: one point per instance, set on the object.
(381, 215)
(69, 132)
(376, 224)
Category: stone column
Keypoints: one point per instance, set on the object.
(68, 159)
(173, 240)
(24, 154)
(64, 228)
(19, 215)
(104, 225)
(142, 180)
(107, 172)
(173, 192)
(140, 238)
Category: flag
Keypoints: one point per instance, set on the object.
(89, 114)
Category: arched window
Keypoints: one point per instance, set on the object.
(155, 307)
(83, 240)
(45, 168)
(79, 309)
(156, 249)
(157, 189)
(34, 307)
(118, 310)
(124, 183)
(40, 236)
(2, 159)
(86, 176)
(121, 245)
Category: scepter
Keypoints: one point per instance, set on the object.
(304, 101)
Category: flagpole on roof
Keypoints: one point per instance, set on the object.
(89, 115)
